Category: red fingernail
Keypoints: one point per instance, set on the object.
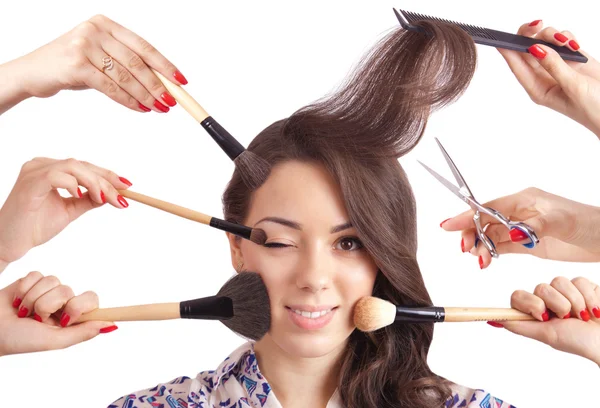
(495, 324)
(108, 329)
(480, 262)
(125, 181)
(585, 315)
(79, 192)
(442, 223)
(574, 45)
(180, 78)
(462, 245)
(534, 23)
(144, 108)
(517, 235)
(37, 317)
(122, 201)
(545, 316)
(102, 197)
(17, 302)
(560, 37)
(23, 312)
(567, 315)
(161, 107)
(537, 52)
(596, 312)
(168, 98)
(64, 319)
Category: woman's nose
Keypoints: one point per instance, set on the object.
(315, 271)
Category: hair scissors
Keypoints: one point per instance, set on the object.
(465, 194)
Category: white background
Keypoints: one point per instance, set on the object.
(250, 64)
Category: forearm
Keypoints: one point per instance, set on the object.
(12, 86)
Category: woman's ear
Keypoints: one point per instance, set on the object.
(236, 251)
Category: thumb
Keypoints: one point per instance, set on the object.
(540, 331)
(78, 333)
(563, 74)
(557, 224)
(79, 206)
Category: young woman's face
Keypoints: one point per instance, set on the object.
(313, 264)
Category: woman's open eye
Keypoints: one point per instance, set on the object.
(349, 244)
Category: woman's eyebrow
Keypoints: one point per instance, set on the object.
(341, 227)
(297, 226)
(282, 221)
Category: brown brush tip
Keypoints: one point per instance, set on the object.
(258, 236)
(371, 313)
(253, 169)
(251, 308)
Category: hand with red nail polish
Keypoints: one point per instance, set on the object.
(568, 87)
(35, 212)
(98, 54)
(551, 305)
(567, 230)
(39, 313)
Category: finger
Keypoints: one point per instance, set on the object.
(552, 36)
(484, 257)
(573, 295)
(152, 89)
(78, 305)
(529, 303)
(467, 239)
(567, 78)
(41, 287)
(23, 286)
(93, 77)
(111, 182)
(540, 331)
(44, 180)
(572, 43)
(145, 50)
(517, 206)
(76, 207)
(84, 175)
(521, 64)
(554, 300)
(590, 296)
(61, 338)
(53, 301)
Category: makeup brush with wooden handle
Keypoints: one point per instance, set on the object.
(242, 305)
(253, 169)
(256, 235)
(371, 313)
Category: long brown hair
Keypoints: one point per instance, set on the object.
(357, 133)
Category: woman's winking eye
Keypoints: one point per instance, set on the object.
(344, 244)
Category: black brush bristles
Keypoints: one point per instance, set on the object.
(251, 308)
(253, 169)
(256, 235)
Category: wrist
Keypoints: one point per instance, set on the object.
(13, 86)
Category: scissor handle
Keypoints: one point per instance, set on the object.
(489, 244)
(527, 230)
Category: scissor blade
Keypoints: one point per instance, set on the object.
(446, 183)
(459, 178)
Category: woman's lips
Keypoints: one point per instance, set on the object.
(311, 323)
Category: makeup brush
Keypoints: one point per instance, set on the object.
(371, 313)
(256, 235)
(253, 169)
(242, 305)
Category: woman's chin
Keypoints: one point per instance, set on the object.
(310, 346)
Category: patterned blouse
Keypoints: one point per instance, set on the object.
(238, 383)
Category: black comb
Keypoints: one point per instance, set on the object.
(486, 36)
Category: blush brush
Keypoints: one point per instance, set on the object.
(371, 313)
(242, 304)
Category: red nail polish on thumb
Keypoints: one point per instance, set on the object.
(108, 329)
(495, 324)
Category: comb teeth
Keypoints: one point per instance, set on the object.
(474, 31)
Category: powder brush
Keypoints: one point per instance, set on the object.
(242, 304)
(371, 313)
(253, 169)
(256, 235)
